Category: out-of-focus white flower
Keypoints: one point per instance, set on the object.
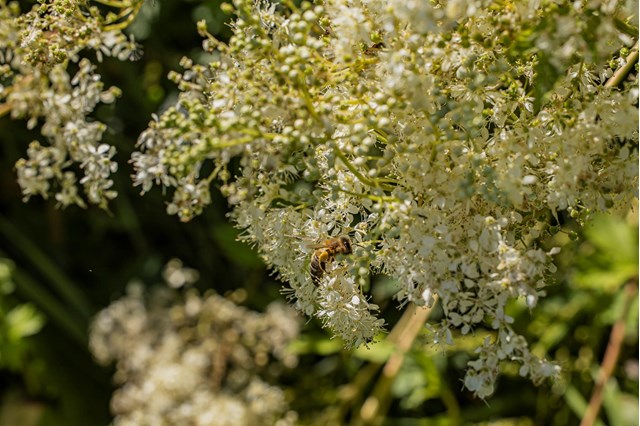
(193, 361)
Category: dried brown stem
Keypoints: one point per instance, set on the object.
(403, 335)
(622, 72)
(610, 357)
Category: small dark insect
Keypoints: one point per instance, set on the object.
(325, 253)
(374, 49)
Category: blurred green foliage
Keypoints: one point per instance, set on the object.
(608, 258)
(66, 265)
(18, 321)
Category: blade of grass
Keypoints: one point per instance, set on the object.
(54, 310)
(67, 290)
(577, 403)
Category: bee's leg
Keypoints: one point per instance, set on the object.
(317, 268)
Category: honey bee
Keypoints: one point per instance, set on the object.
(325, 253)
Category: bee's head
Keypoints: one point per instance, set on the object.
(346, 243)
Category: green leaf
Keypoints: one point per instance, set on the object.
(417, 381)
(621, 408)
(6, 284)
(377, 352)
(610, 254)
(22, 321)
(546, 77)
(553, 334)
(227, 238)
(321, 346)
(615, 237)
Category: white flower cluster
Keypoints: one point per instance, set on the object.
(36, 52)
(483, 371)
(444, 138)
(200, 361)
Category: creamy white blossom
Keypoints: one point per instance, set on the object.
(38, 86)
(447, 140)
(444, 138)
(193, 359)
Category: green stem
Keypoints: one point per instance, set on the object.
(450, 402)
(114, 3)
(64, 286)
(380, 135)
(369, 196)
(357, 174)
(307, 100)
(130, 13)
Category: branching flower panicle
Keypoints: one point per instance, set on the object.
(46, 82)
(442, 137)
(445, 139)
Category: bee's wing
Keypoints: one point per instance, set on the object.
(316, 246)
